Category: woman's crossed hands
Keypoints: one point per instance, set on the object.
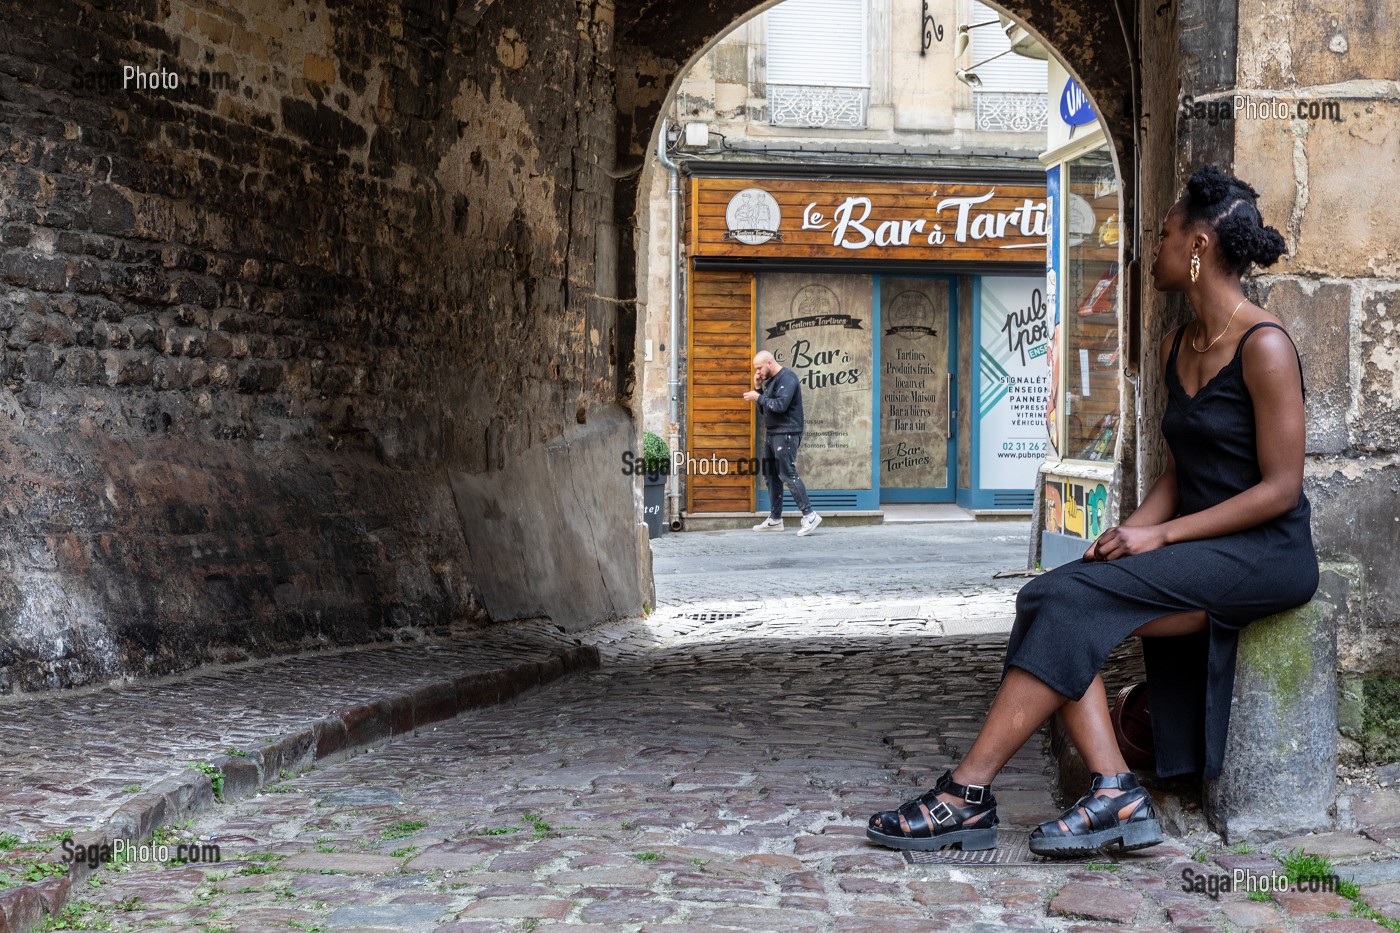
(1125, 541)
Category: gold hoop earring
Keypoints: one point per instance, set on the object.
(1195, 267)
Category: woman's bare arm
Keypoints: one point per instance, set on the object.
(1160, 503)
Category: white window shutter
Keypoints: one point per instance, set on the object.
(818, 42)
(1010, 72)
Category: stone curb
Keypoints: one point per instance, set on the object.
(24, 908)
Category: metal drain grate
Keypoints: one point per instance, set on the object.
(716, 616)
(1018, 853)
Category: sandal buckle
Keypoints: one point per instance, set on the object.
(975, 793)
(941, 813)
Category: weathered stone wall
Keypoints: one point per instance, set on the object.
(1327, 184)
(1324, 183)
(253, 331)
(1162, 76)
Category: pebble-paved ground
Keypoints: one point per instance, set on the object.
(716, 776)
(68, 759)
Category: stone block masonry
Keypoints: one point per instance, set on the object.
(1324, 177)
(251, 326)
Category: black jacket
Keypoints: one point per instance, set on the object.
(781, 404)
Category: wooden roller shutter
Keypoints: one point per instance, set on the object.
(720, 349)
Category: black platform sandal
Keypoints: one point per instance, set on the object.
(929, 823)
(1094, 823)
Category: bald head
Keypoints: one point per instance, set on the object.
(764, 366)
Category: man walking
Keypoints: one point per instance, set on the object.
(781, 403)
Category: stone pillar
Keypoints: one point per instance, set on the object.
(1280, 770)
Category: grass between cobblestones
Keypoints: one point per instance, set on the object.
(26, 863)
(216, 777)
(402, 829)
(1303, 867)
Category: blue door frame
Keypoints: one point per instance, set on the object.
(869, 499)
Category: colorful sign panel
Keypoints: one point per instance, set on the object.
(1075, 108)
(1052, 279)
(1075, 507)
(1014, 326)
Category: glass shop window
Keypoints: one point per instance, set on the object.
(1089, 384)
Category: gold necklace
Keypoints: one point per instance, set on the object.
(1222, 333)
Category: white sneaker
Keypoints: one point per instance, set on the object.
(768, 524)
(809, 524)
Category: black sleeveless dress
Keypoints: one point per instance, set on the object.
(1070, 618)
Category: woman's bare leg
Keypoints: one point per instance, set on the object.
(1181, 623)
(1024, 702)
(1087, 721)
(1089, 728)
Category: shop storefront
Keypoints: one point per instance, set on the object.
(1083, 411)
(914, 312)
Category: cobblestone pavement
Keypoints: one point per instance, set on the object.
(68, 758)
(714, 774)
(841, 566)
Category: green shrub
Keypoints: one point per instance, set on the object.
(656, 456)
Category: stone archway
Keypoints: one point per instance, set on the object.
(649, 85)
(656, 42)
(290, 355)
(337, 347)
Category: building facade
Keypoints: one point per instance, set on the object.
(878, 223)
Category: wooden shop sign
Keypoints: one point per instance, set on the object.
(823, 219)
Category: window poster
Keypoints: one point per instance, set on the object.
(1015, 381)
(914, 383)
(819, 326)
